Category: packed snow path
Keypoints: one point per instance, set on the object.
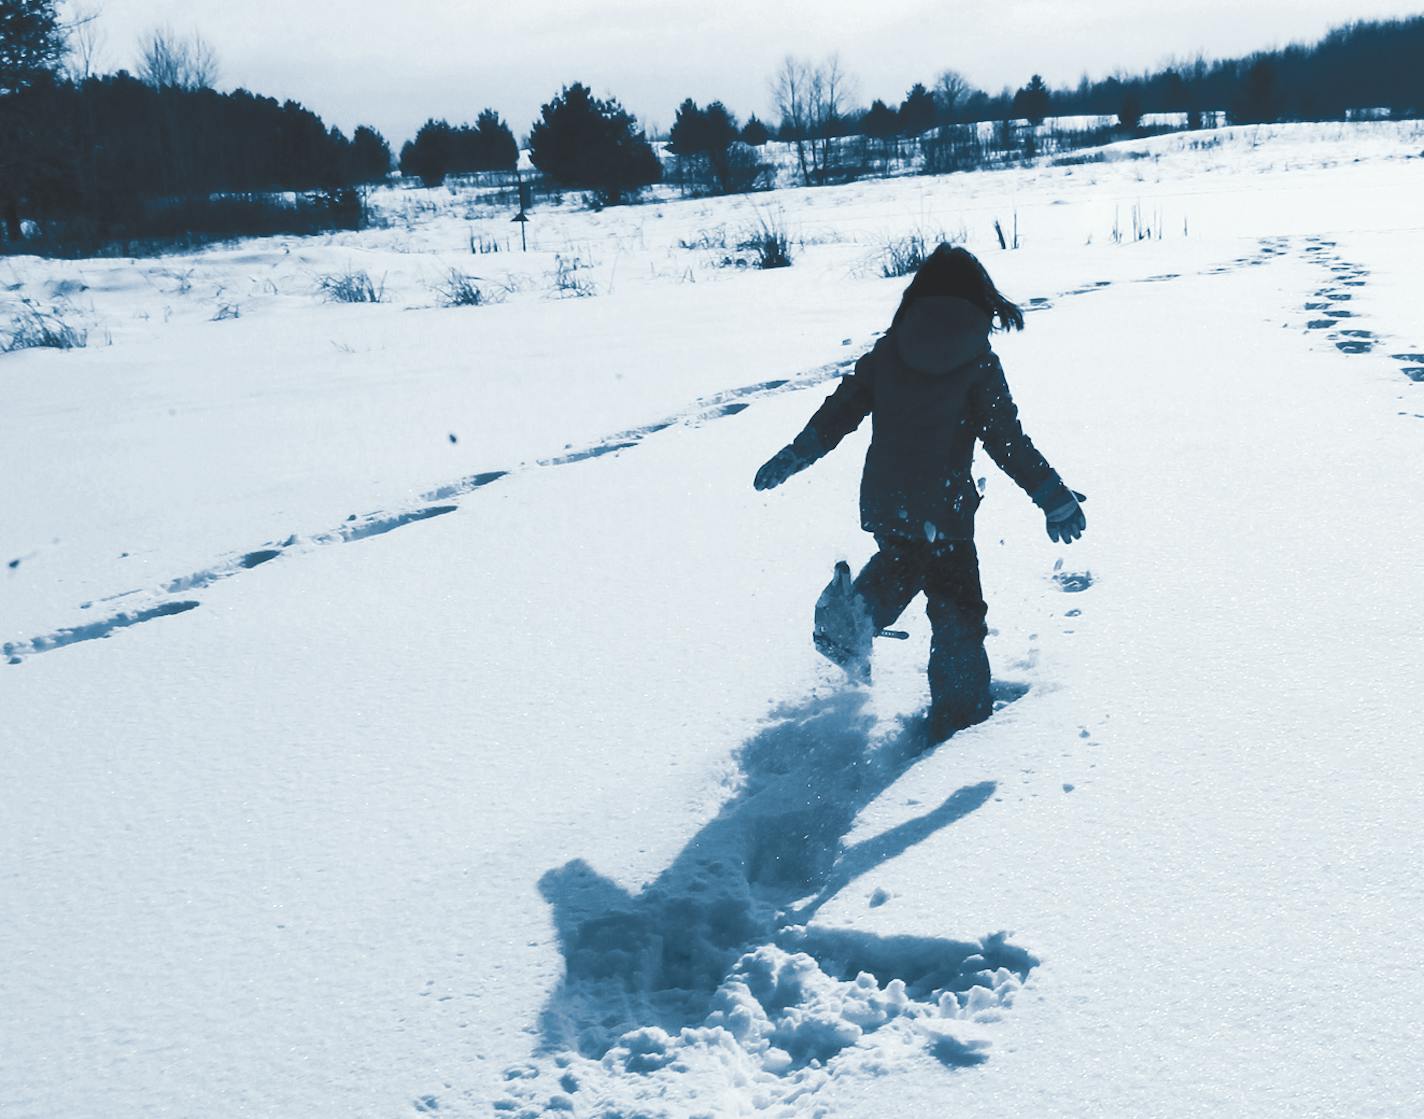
(342, 841)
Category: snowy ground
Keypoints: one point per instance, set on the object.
(496, 775)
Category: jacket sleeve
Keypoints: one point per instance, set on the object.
(992, 407)
(840, 414)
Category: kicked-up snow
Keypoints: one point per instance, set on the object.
(412, 709)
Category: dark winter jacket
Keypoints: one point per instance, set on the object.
(931, 387)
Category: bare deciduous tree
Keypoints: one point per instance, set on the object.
(811, 98)
(169, 59)
(833, 90)
(951, 88)
(86, 42)
(788, 93)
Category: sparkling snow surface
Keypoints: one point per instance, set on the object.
(352, 769)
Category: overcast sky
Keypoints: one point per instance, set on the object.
(393, 63)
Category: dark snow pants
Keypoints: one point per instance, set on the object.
(948, 572)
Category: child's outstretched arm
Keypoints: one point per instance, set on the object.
(1011, 449)
(839, 415)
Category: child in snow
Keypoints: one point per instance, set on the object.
(931, 386)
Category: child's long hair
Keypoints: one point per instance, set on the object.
(952, 270)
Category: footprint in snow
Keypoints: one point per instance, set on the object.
(1073, 582)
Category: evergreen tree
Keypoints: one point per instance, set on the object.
(918, 111)
(497, 149)
(430, 156)
(31, 48)
(440, 149)
(1129, 113)
(697, 131)
(733, 166)
(1256, 99)
(370, 155)
(1172, 93)
(1033, 101)
(689, 127)
(719, 128)
(113, 158)
(880, 121)
(31, 42)
(702, 139)
(588, 143)
(754, 132)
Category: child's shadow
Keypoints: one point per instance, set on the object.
(753, 876)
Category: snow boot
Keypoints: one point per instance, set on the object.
(944, 721)
(843, 632)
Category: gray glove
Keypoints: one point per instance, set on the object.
(781, 466)
(1062, 510)
(1066, 522)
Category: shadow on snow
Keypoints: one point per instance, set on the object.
(749, 881)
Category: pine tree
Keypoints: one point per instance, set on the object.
(1033, 101)
(31, 48)
(702, 140)
(719, 128)
(1129, 113)
(497, 149)
(592, 144)
(31, 42)
(370, 155)
(754, 132)
(917, 111)
(689, 127)
(880, 121)
(1256, 99)
(431, 155)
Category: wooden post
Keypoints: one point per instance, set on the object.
(522, 217)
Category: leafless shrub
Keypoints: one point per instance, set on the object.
(33, 327)
(481, 245)
(903, 255)
(715, 238)
(733, 260)
(353, 286)
(461, 290)
(568, 284)
(182, 281)
(770, 243)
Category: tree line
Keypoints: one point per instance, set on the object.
(159, 152)
(112, 152)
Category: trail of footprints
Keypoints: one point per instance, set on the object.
(1332, 310)
(1269, 249)
(158, 602)
(1329, 305)
(148, 604)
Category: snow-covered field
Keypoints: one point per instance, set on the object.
(457, 745)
